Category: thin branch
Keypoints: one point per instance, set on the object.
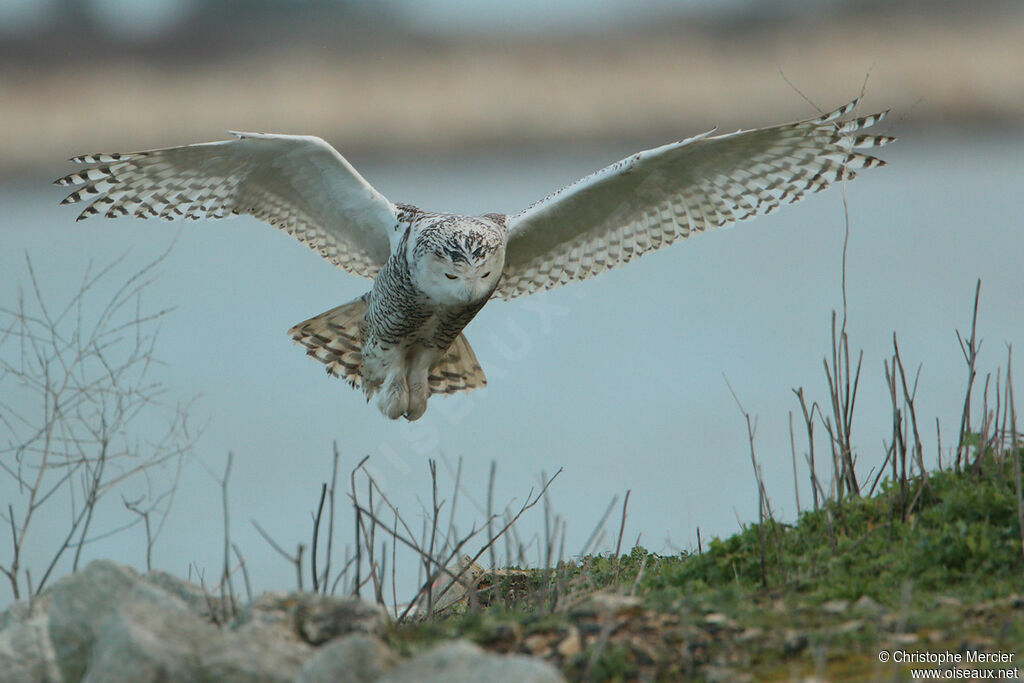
(225, 583)
(316, 538)
(622, 524)
(593, 540)
(970, 351)
(490, 510)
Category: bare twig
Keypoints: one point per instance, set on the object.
(79, 373)
(970, 351)
(594, 540)
(316, 538)
(226, 584)
(330, 516)
(809, 426)
(490, 511)
(1015, 445)
(245, 572)
(843, 399)
(792, 450)
(439, 565)
(908, 401)
(764, 509)
(358, 525)
(394, 554)
(294, 560)
(622, 524)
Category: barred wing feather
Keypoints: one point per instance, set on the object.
(298, 184)
(653, 198)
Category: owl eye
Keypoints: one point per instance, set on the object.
(449, 276)
(486, 274)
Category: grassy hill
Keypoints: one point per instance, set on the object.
(932, 566)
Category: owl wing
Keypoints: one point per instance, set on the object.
(299, 184)
(653, 198)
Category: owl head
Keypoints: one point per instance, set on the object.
(458, 259)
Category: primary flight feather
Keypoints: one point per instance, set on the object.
(432, 272)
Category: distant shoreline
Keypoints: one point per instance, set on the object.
(470, 95)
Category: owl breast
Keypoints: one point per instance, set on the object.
(420, 302)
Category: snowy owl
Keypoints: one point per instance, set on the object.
(432, 272)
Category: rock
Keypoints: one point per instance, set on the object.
(722, 674)
(977, 643)
(849, 627)
(462, 662)
(716, 621)
(902, 639)
(322, 618)
(355, 658)
(835, 606)
(26, 653)
(794, 642)
(256, 653)
(142, 640)
(750, 633)
(538, 643)
(191, 594)
(605, 605)
(447, 593)
(108, 623)
(315, 619)
(642, 651)
(866, 605)
(503, 636)
(271, 609)
(80, 603)
(572, 645)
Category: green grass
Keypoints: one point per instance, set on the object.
(940, 561)
(961, 538)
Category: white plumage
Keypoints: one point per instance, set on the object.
(434, 271)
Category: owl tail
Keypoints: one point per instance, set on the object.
(459, 370)
(335, 338)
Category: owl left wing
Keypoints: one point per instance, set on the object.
(655, 197)
(299, 184)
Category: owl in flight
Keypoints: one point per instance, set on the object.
(432, 272)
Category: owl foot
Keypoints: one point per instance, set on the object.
(419, 392)
(394, 401)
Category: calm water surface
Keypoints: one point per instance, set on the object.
(620, 380)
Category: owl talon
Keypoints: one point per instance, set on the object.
(394, 402)
(418, 395)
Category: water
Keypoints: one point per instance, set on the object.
(620, 380)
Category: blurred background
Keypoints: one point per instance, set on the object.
(488, 106)
(450, 76)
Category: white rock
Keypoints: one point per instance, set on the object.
(463, 662)
(83, 601)
(262, 653)
(26, 653)
(143, 640)
(357, 658)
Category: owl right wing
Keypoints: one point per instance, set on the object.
(653, 198)
(298, 184)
